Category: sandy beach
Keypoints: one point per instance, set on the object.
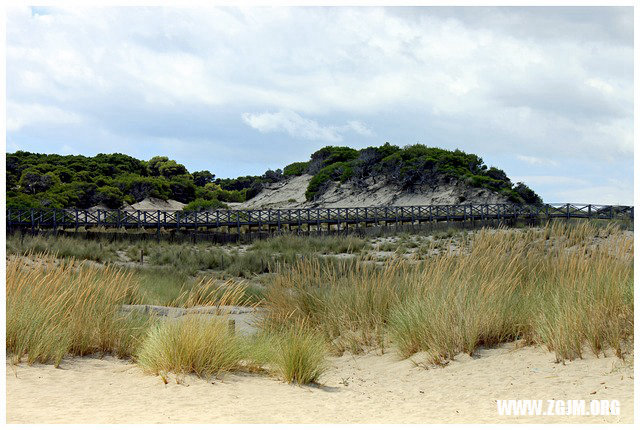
(371, 388)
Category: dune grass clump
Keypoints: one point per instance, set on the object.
(297, 354)
(57, 308)
(192, 344)
(300, 355)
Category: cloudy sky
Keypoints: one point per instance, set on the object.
(544, 93)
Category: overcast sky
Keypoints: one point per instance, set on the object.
(544, 93)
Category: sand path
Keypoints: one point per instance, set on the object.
(362, 389)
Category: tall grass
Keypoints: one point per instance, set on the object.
(57, 308)
(63, 247)
(296, 354)
(566, 286)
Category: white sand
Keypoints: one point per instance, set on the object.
(154, 204)
(362, 389)
(290, 193)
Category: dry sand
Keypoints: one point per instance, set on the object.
(290, 193)
(372, 388)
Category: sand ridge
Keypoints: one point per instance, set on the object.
(372, 388)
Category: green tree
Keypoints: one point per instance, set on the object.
(34, 181)
(112, 197)
(202, 178)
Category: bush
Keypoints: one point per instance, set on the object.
(295, 169)
(203, 205)
(321, 179)
(527, 194)
(330, 155)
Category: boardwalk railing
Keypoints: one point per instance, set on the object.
(309, 218)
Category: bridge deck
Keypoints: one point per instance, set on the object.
(279, 218)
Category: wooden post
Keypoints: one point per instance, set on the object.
(589, 212)
(141, 257)
(346, 220)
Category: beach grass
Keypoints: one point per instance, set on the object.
(565, 286)
(192, 344)
(57, 308)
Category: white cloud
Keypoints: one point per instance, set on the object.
(606, 195)
(20, 115)
(296, 126)
(536, 161)
(539, 180)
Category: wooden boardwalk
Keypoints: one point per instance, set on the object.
(309, 219)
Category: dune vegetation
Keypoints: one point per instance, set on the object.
(59, 308)
(564, 286)
(567, 287)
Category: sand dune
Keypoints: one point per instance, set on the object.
(372, 388)
(290, 193)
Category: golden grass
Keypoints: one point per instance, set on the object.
(564, 286)
(193, 344)
(56, 308)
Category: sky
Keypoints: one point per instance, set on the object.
(544, 93)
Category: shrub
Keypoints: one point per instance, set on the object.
(202, 205)
(324, 176)
(295, 169)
